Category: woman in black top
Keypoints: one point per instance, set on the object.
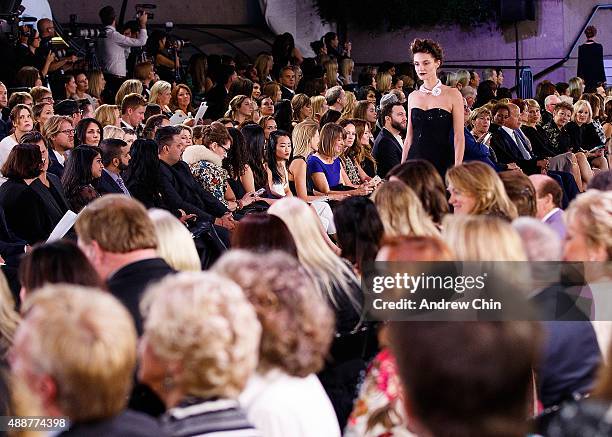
(32, 206)
(142, 175)
(590, 60)
(583, 135)
(83, 166)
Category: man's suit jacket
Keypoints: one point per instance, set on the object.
(31, 210)
(571, 353)
(507, 151)
(556, 222)
(217, 102)
(387, 152)
(129, 282)
(107, 185)
(126, 424)
(181, 191)
(54, 165)
(286, 93)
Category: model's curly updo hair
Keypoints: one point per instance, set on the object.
(427, 46)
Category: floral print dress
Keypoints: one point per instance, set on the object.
(212, 177)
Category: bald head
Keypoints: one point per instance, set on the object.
(550, 102)
(548, 194)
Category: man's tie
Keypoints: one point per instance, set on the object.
(122, 186)
(521, 146)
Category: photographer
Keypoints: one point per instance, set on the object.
(111, 49)
(44, 52)
(166, 61)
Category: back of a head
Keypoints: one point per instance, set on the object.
(174, 242)
(540, 241)
(482, 238)
(117, 223)
(85, 341)
(521, 192)
(466, 378)
(262, 233)
(297, 326)
(602, 181)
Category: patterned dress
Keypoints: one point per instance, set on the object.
(212, 177)
(351, 170)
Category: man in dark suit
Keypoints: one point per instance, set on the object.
(115, 158)
(77, 318)
(132, 113)
(389, 144)
(181, 191)
(286, 78)
(217, 97)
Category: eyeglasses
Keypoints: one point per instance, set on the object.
(224, 148)
(68, 131)
(47, 99)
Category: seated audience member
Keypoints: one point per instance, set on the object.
(132, 112)
(570, 353)
(352, 146)
(351, 348)
(335, 98)
(401, 211)
(268, 123)
(153, 123)
(59, 133)
(476, 189)
(88, 386)
(115, 158)
(388, 145)
(485, 93)
(278, 151)
(324, 167)
(379, 409)
(88, 132)
(53, 263)
(261, 233)
(41, 112)
(21, 118)
(283, 115)
(520, 191)
(548, 203)
(469, 94)
(284, 397)
(83, 170)
(200, 373)
(240, 109)
(174, 242)
(33, 201)
(359, 231)
(119, 240)
(181, 99)
(583, 136)
(548, 109)
(427, 184)
(69, 108)
(302, 108)
(130, 86)
(205, 164)
(161, 93)
(108, 115)
(241, 177)
(254, 138)
(180, 190)
(430, 352)
(477, 140)
(41, 94)
(217, 96)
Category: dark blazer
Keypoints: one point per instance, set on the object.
(33, 211)
(286, 93)
(507, 151)
(54, 165)
(571, 353)
(181, 191)
(387, 152)
(129, 282)
(107, 185)
(125, 424)
(11, 247)
(217, 102)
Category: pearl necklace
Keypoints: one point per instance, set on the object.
(435, 91)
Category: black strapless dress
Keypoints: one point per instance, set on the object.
(431, 138)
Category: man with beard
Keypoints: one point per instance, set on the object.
(115, 158)
(388, 145)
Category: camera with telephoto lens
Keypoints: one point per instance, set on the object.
(142, 8)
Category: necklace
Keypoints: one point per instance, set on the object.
(435, 91)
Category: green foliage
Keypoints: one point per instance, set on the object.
(392, 15)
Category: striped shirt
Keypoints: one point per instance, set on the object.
(212, 418)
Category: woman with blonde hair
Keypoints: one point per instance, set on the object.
(463, 78)
(401, 211)
(346, 71)
(301, 107)
(339, 286)
(576, 88)
(349, 107)
(161, 93)
(128, 87)
(583, 137)
(198, 350)
(331, 73)
(113, 132)
(284, 397)
(97, 83)
(174, 242)
(476, 189)
(240, 109)
(108, 115)
(383, 82)
(319, 107)
(482, 238)
(263, 65)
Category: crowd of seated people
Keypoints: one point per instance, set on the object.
(287, 189)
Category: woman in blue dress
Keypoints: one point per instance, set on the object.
(433, 111)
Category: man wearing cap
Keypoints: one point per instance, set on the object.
(69, 108)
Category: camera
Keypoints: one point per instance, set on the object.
(142, 8)
(178, 44)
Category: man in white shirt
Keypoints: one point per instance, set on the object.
(111, 49)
